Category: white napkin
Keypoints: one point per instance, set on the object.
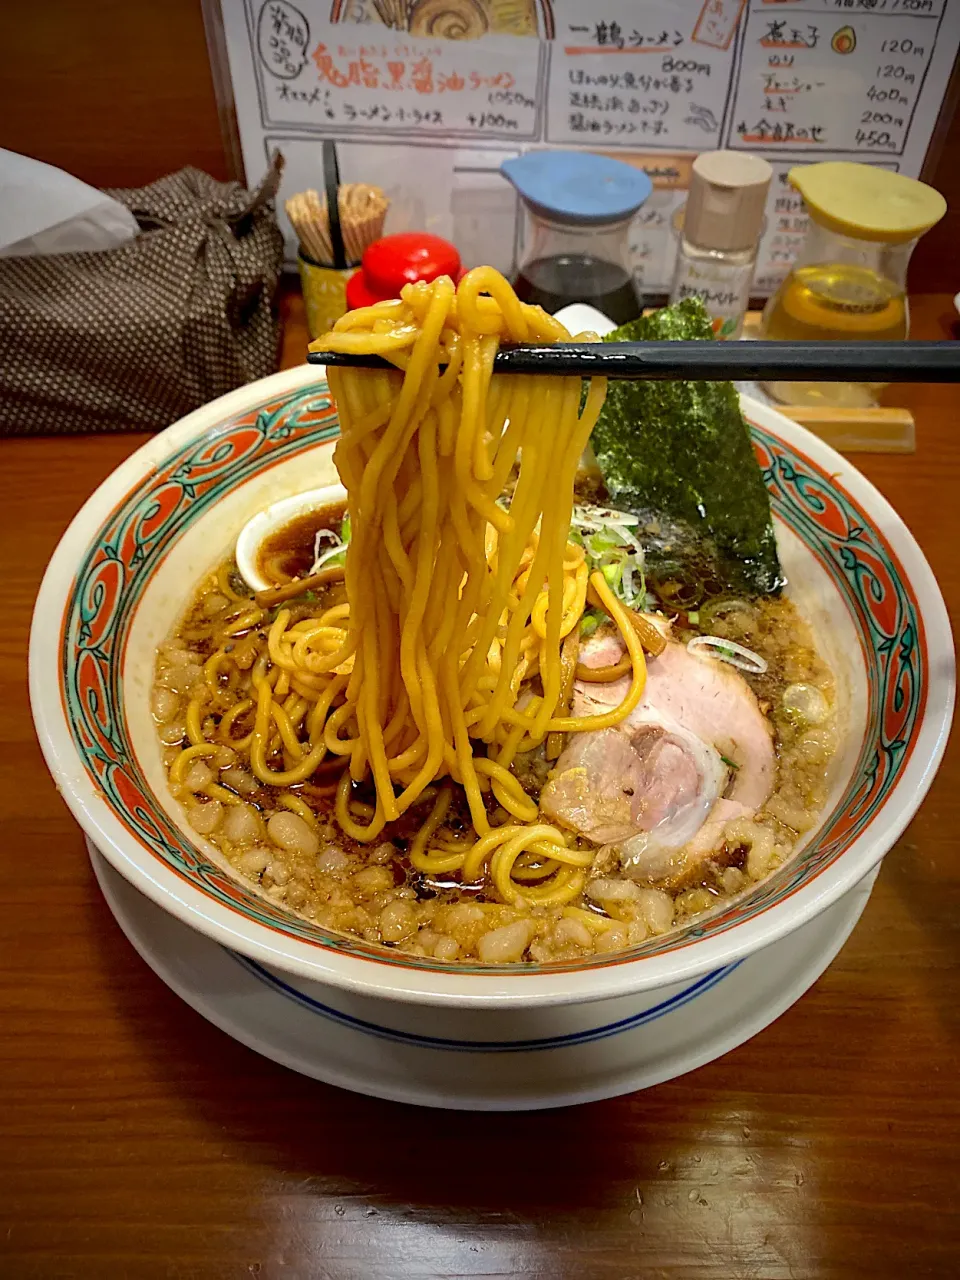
(45, 210)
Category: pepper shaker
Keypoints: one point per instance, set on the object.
(722, 224)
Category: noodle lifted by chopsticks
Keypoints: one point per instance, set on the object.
(455, 601)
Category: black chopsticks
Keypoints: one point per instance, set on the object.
(900, 361)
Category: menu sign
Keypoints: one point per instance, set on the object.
(426, 98)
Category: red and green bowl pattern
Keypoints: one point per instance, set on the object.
(142, 528)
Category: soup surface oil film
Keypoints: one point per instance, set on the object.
(473, 734)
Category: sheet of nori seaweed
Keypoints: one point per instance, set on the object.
(679, 455)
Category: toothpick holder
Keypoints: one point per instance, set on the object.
(324, 293)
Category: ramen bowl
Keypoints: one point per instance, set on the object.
(467, 1034)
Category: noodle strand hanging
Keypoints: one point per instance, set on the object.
(446, 661)
(424, 456)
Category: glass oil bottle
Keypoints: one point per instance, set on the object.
(849, 281)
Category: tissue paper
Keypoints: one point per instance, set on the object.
(44, 210)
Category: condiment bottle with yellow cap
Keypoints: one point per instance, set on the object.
(850, 278)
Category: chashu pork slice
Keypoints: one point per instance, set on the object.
(696, 751)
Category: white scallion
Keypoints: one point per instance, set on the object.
(337, 548)
(728, 651)
(322, 536)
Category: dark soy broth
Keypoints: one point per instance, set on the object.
(288, 552)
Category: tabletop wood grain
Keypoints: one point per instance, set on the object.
(136, 1140)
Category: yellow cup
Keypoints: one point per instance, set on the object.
(324, 294)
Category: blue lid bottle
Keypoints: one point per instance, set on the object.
(580, 207)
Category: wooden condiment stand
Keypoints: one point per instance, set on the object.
(880, 430)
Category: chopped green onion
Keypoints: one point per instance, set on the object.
(589, 623)
(613, 549)
(613, 574)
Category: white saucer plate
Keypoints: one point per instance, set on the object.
(570, 1053)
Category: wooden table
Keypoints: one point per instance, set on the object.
(136, 1140)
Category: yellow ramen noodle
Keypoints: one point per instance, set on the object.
(381, 744)
(456, 598)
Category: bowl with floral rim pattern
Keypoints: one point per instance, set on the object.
(122, 573)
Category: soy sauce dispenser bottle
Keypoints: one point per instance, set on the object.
(580, 207)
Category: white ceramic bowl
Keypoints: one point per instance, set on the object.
(122, 573)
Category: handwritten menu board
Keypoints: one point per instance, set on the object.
(426, 98)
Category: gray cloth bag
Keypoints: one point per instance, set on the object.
(132, 338)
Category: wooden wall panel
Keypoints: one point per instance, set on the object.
(119, 92)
